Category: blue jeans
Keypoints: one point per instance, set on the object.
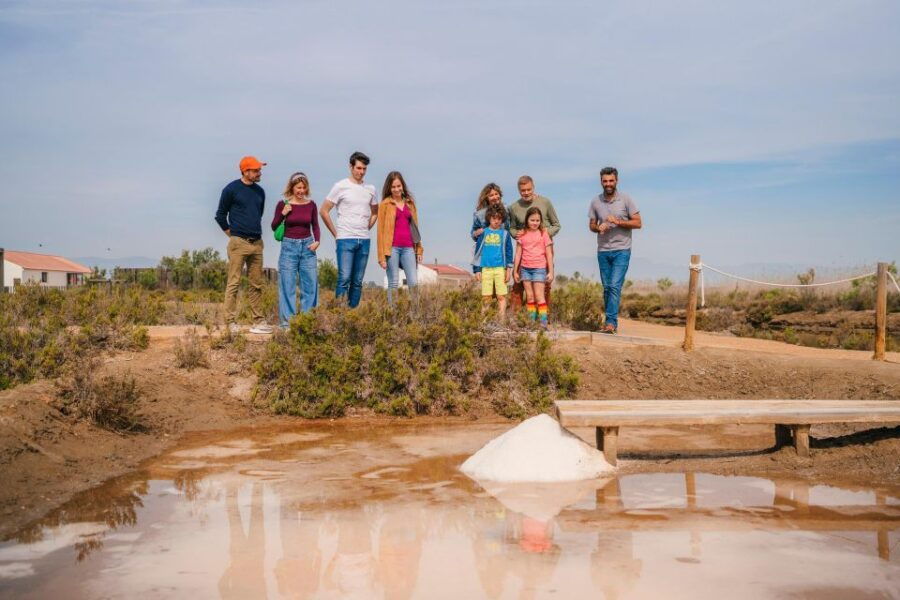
(405, 258)
(352, 255)
(613, 266)
(296, 259)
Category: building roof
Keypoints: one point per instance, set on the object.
(447, 270)
(43, 262)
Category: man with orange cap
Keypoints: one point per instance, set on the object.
(241, 207)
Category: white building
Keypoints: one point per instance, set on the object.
(43, 269)
(435, 274)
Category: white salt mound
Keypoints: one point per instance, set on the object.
(538, 449)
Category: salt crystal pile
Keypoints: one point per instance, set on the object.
(537, 450)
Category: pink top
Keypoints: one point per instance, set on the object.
(402, 234)
(534, 249)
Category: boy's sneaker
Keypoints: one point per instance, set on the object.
(234, 328)
(261, 329)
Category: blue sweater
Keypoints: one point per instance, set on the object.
(241, 208)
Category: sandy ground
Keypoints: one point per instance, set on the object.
(45, 457)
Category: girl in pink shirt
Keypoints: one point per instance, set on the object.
(534, 264)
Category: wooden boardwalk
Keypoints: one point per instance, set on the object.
(791, 418)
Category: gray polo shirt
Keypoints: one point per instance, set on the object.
(622, 207)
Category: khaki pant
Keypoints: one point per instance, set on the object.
(241, 251)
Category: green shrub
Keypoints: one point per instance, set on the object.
(441, 359)
(578, 304)
(190, 352)
(110, 402)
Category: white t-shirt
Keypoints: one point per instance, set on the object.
(353, 203)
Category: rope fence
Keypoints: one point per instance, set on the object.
(697, 267)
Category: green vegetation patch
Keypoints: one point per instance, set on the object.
(443, 357)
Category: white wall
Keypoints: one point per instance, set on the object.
(424, 275)
(10, 272)
(54, 278)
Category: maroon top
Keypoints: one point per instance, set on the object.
(402, 234)
(300, 223)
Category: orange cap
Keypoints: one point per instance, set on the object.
(250, 162)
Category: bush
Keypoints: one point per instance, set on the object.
(441, 360)
(578, 304)
(190, 351)
(328, 274)
(109, 402)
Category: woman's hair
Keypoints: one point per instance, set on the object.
(534, 210)
(389, 181)
(482, 197)
(294, 180)
(495, 211)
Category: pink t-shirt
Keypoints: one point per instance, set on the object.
(534, 249)
(402, 233)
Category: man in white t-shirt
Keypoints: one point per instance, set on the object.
(357, 210)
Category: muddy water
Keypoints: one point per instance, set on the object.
(322, 512)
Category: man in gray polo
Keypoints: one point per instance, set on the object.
(613, 215)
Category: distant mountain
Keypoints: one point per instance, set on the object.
(132, 262)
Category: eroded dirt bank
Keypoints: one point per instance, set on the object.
(46, 457)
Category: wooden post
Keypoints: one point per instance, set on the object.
(2, 284)
(880, 311)
(610, 444)
(691, 320)
(801, 440)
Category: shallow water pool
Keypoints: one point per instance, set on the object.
(360, 512)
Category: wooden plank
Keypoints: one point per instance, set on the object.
(699, 412)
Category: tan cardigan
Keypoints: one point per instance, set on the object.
(387, 215)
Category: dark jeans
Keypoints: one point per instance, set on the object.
(352, 255)
(613, 266)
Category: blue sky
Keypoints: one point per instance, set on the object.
(764, 132)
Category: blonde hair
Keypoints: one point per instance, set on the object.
(294, 180)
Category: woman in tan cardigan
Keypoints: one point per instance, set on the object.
(399, 243)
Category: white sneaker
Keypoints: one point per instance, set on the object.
(261, 328)
(234, 328)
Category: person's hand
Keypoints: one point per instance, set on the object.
(602, 227)
(314, 246)
(382, 263)
(478, 232)
(419, 258)
(549, 276)
(478, 276)
(287, 208)
(516, 276)
(508, 274)
(612, 219)
(519, 233)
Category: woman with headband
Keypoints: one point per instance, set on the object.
(298, 249)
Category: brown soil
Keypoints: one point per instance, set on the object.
(46, 457)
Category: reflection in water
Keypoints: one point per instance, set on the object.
(408, 526)
(245, 575)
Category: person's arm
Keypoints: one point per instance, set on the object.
(476, 229)
(325, 213)
(514, 227)
(550, 263)
(509, 257)
(374, 216)
(633, 223)
(553, 220)
(380, 232)
(279, 215)
(517, 263)
(225, 201)
(314, 225)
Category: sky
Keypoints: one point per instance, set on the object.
(763, 132)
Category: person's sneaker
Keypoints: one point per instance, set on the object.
(234, 328)
(608, 329)
(261, 328)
